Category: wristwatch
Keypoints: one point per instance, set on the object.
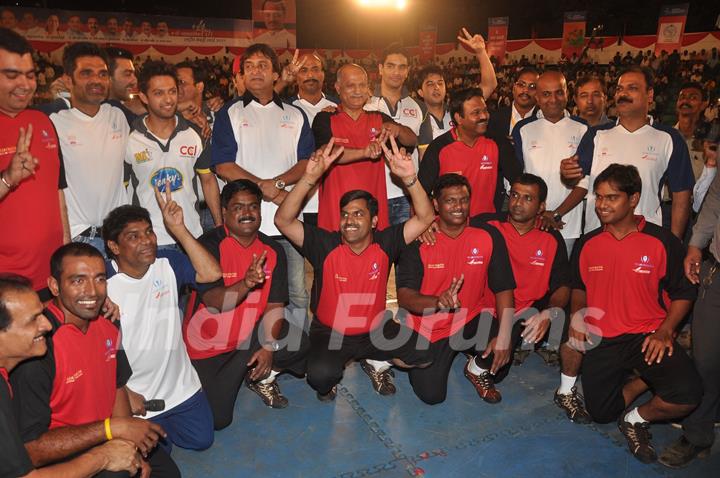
(272, 345)
(279, 183)
(557, 217)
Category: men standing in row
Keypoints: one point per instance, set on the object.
(258, 137)
(22, 336)
(469, 150)
(27, 190)
(442, 286)
(360, 134)
(165, 150)
(93, 137)
(659, 153)
(631, 270)
(545, 139)
(351, 273)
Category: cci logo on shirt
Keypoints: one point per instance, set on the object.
(162, 176)
(188, 151)
(411, 112)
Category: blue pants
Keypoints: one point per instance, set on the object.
(188, 425)
(296, 311)
(398, 210)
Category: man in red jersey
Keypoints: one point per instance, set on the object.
(32, 203)
(628, 295)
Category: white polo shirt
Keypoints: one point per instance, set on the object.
(93, 149)
(659, 152)
(177, 159)
(407, 113)
(540, 146)
(152, 330)
(310, 111)
(265, 140)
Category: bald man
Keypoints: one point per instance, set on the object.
(360, 133)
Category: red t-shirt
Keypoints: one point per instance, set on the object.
(30, 214)
(206, 334)
(477, 253)
(626, 280)
(539, 261)
(367, 175)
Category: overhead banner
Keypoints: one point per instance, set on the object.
(573, 39)
(428, 39)
(45, 25)
(274, 23)
(671, 27)
(497, 37)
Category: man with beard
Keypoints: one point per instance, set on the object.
(93, 137)
(74, 398)
(443, 287)
(659, 153)
(165, 150)
(351, 273)
(468, 150)
(432, 90)
(252, 341)
(123, 83)
(504, 119)
(632, 271)
(591, 100)
(22, 336)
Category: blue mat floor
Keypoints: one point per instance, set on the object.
(363, 434)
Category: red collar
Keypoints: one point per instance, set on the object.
(4, 374)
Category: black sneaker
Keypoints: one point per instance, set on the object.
(382, 382)
(573, 405)
(269, 392)
(681, 453)
(328, 397)
(638, 439)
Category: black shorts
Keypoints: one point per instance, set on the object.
(606, 367)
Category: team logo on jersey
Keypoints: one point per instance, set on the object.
(287, 122)
(650, 153)
(436, 266)
(411, 112)
(188, 151)
(475, 258)
(644, 266)
(8, 150)
(534, 145)
(72, 139)
(485, 162)
(340, 278)
(110, 352)
(116, 131)
(159, 289)
(47, 140)
(538, 259)
(374, 133)
(573, 142)
(143, 156)
(165, 175)
(596, 268)
(244, 123)
(603, 152)
(374, 272)
(74, 377)
(341, 140)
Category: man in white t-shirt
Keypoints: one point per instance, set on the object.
(145, 286)
(274, 13)
(166, 148)
(93, 136)
(393, 99)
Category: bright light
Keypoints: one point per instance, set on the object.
(398, 4)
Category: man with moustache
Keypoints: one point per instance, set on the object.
(167, 151)
(360, 133)
(123, 83)
(277, 36)
(253, 341)
(591, 100)
(469, 150)
(659, 153)
(74, 398)
(23, 328)
(505, 118)
(93, 137)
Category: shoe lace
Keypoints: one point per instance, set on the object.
(572, 401)
(639, 434)
(484, 380)
(383, 379)
(268, 390)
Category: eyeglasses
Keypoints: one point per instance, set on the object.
(523, 85)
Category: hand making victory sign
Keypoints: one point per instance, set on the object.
(23, 163)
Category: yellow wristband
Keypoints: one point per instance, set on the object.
(108, 433)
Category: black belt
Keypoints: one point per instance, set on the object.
(92, 231)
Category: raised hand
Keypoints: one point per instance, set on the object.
(172, 213)
(373, 150)
(23, 163)
(255, 274)
(476, 42)
(321, 160)
(400, 162)
(291, 69)
(449, 298)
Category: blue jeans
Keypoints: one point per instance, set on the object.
(398, 210)
(96, 241)
(188, 425)
(296, 311)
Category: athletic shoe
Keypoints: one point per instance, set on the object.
(382, 382)
(269, 393)
(638, 439)
(681, 453)
(328, 397)
(484, 384)
(573, 405)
